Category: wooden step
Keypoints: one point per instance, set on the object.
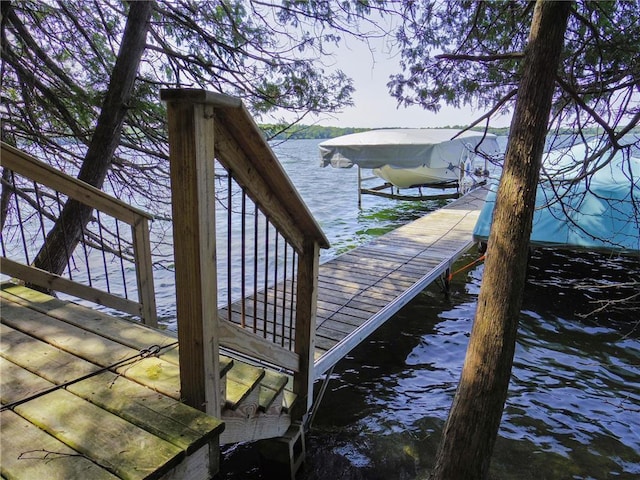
(133, 408)
(271, 387)
(226, 363)
(288, 400)
(242, 379)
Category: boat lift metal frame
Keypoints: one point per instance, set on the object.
(377, 191)
(459, 184)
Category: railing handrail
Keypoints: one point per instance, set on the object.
(234, 121)
(28, 166)
(203, 127)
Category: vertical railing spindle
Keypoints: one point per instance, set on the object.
(20, 220)
(255, 269)
(243, 270)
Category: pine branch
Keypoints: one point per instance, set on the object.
(481, 58)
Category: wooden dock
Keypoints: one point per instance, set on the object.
(361, 289)
(69, 371)
(86, 395)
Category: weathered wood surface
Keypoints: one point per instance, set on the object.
(191, 161)
(124, 422)
(241, 147)
(28, 166)
(361, 289)
(54, 282)
(33, 453)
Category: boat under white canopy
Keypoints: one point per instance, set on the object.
(405, 148)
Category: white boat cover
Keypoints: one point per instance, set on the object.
(605, 215)
(404, 148)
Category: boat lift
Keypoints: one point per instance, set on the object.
(413, 158)
(379, 190)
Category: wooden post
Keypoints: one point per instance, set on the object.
(306, 295)
(144, 273)
(359, 187)
(191, 155)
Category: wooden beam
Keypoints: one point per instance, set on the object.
(242, 128)
(242, 131)
(24, 164)
(234, 159)
(28, 166)
(54, 282)
(191, 155)
(144, 271)
(247, 343)
(307, 297)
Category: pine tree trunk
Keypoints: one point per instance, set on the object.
(67, 231)
(472, 426)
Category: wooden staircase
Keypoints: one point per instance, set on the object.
(221, 372)
(254, 402)
(257, 401)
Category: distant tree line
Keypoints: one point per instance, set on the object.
(297, 132)
(300, 132)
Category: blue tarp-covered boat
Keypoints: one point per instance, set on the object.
(600, 212)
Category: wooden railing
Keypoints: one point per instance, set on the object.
(37, 193)
(266, 246)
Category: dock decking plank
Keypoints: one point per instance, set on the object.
(32, 453)
(122, 331)
(120, 446)
(395, 268)
(104, 426)
(74, 421)
(18, 383)
(156, 373)
(172, 421)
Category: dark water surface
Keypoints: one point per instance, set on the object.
(573, 410)
(573, 407)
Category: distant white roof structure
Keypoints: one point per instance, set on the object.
(404, 148)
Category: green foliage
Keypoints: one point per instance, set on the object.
(456, 27)
(282, 131)
(468, 53)
(57, 60)
(294, 132)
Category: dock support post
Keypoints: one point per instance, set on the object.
(191, 164)
(191, 155)
(318, 400)
(446, 279)
(307, 296)
(359, 188)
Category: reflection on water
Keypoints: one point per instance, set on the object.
(573, 403)
(574, 399)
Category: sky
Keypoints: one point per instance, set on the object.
(374, 106)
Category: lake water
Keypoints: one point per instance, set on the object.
(573, 410)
